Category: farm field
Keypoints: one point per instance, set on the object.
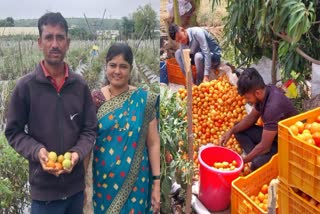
(19, 57)
(7, 31)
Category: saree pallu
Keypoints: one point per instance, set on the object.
(121, 170)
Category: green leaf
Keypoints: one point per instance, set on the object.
(294, 21)
(297, 10)
(289, 3)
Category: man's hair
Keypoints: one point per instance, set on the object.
(173, 29)
(250, 80)
(52, 19)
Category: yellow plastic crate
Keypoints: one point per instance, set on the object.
(299, 162)
(291, 202)
(244, 187)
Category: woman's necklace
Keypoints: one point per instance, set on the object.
(113, 95)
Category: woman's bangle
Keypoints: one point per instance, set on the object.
(156, 177)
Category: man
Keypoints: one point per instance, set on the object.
(51, 109)
(204, 50)
(186, 9)
(95, 50)
(259, 143)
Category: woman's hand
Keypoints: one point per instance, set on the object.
(155, 196)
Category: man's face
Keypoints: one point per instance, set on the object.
(251, 97)
(54, 43)
(182, 36)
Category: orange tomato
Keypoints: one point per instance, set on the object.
(307, 126)
(311, 141)
(58, 166)
(316, 138)
(50, 164)
(225, 166)
(264, 189)
(261, 196)
(315, 127)
(300, 126)
(294, 129)
(168, 157)
(265, 207)
(180, 143)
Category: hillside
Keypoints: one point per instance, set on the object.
(75, 22)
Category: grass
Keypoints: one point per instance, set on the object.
(9, 31)
(211, 17)
(206, 16)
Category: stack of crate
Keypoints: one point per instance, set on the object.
(299, 168)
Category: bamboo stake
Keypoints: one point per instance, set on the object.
(187, 68)
(176, 13)
(20, 59)
(274, 61)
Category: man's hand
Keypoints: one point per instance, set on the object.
(206, 78)
(225, 137)
(74, 161)
(245, 159)
(43, 158)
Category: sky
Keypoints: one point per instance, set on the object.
(28, 9)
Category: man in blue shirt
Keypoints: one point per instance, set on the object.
(204, 50)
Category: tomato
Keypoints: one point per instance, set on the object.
(316, 138)
(168, 157)
(216, 106)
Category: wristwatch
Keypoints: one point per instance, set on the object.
(156, 177)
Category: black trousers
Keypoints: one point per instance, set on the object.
(249, 138)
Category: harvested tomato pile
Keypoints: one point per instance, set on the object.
(225, 166)
(216, 107)
(307, 132)
(262, 198)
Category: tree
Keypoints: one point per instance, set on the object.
(145, 21)
(127, 27)
(288, 30)
(9, 22)
(117, 26)
(81, 34)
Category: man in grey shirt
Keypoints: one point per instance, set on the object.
(204, 50)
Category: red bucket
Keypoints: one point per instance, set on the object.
(215, 185)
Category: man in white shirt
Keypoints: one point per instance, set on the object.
(204, 50)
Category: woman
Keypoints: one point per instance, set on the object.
(126, 156)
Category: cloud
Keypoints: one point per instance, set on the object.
(72, 8)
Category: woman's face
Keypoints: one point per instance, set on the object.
(118, 71)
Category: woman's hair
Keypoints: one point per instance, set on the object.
(120, 48)
(250, 80)
(52, 19)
